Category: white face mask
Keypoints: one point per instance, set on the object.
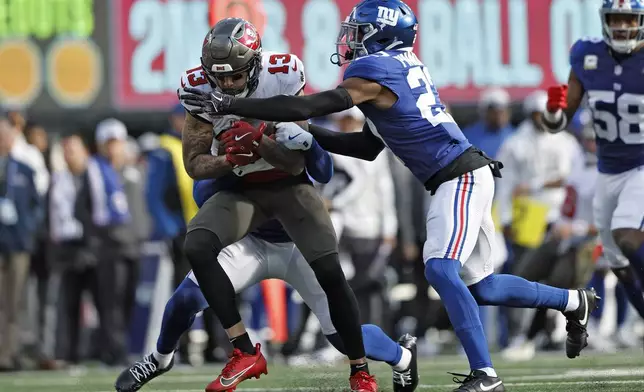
(619, 38)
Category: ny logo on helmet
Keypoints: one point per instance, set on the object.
(387, 16)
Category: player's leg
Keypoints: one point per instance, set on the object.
(378, 346)
(627, 224)
(224, 219)
(608, 199)
(560, 272)
(245, 264)
(453, 225)
(514, 291)
(302, 213)
(597, 282)
(241, 261)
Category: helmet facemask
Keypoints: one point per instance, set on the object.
(350, 44)
(627, 36)
(250, 73)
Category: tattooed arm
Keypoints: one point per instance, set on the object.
(290, 161)
(200, 164)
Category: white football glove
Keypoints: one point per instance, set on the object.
(293, 137)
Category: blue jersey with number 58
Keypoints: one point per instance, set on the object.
(416, 129)
(615, 89)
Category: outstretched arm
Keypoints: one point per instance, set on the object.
(284, 108)
(199, 162)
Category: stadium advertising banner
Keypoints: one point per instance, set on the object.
(467, 45)
(52, 54)
(129, 54)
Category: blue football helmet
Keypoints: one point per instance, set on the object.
(373, 26)
(626, 34)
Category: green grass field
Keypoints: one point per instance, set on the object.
(605, 373)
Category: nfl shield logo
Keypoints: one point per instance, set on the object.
(590, 62)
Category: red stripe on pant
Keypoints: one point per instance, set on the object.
(462, 217)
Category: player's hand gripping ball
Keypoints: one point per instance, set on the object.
(245, 135)
(557, 98)
(238, 157)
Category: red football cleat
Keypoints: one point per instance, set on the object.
(363, 382)
(240, 367)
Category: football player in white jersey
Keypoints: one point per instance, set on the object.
(608, 72)
(259, 179)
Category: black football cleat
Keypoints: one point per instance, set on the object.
(577, 321)
(478, 381)
(407, 380)
(139, 374)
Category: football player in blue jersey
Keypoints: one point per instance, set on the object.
(386, 80)
(266, 253)
(609, 72)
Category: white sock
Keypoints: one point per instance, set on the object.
(489, 371)
(163, 359)
(573, 301)
(403, 364)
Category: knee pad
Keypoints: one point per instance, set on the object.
(200, 244)
(328, 271)
(440, 271)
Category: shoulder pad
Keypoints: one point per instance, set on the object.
(195, 78)
(286, 69)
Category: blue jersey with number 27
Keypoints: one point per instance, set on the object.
(416, 128)
(615, 89)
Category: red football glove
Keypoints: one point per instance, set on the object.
(241, 157)
(557, 98)
(243, 135)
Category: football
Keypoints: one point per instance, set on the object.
(269, 131)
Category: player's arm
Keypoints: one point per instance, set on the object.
(199, 162)
(281, 157)
(563, 102)
(294, 136)
(285, 108)
(319, 163)
(362, 145)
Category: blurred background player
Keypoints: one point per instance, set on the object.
(21, 205)
(602, 71)
(88, 212)
(564, 258)
(494, 126)
(170, 204)
(365, 202)
(536, 167)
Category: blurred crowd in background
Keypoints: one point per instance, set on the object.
(82, 213)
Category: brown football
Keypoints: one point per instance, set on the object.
(269, 131)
